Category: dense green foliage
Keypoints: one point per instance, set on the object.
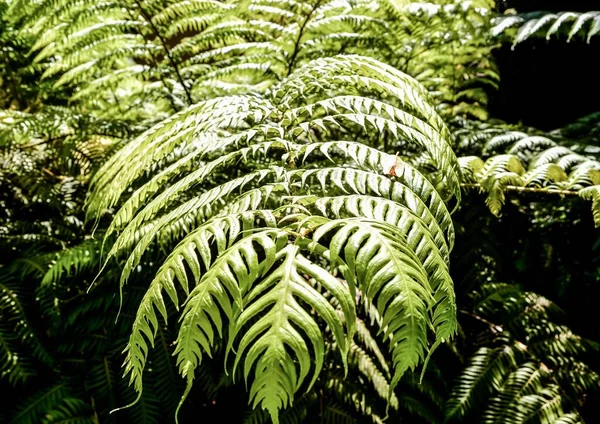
(289, 211)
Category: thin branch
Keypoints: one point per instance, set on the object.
(495, 328)
(166, 48)
(300, 33)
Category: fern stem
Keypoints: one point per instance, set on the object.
(300, 32)
(167, 51)
(529, 189)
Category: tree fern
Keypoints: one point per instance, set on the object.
(585, 25)
(255, 274)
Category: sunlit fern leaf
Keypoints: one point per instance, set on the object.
(352, 396)
(531, 27)
(570, 418)
(245, 252)
(192, 46)
(429, 42)
(527, 147)
(431, 258)
(503, 23)
(498, 172)
(551, 168)
(396, 282)
(231, 116)
(544, 175)
(593, 193)
(194, 249)
(501, 141)
(586, 24)
(270, 341)
(470, 166)
(550, 155)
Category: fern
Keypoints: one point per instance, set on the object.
(534, 164)
(399, 269)
(188, 47)
(52, 405)
(15, 332)
(538, 23)
(427, 40)
(531, 368)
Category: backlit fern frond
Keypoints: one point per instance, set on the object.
(279, 190)
(182, 51)
(572, 24)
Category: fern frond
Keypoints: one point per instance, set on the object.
(593, 193)
(538, 383)
(246, 255)
(37, 406)
(551, 168)
(16, 336)
(485, 372)
(587, 24)
(72, 262)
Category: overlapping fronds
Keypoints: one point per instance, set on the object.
(512, 161)
(530, 368)
(543, 24)
(183, 50)
(186, 51)
(53, 405)
(268, 193)
(47, 156)
(429, 41)
(18, 341)
(358, 396)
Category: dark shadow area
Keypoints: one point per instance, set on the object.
(551, 5)
(547, 84)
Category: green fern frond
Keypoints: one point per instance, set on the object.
(551, 168)
(18, 342)
(72, 262)
(485, 372)
(593, 193)
(247, 253)
(587, 24)
(35, 408)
